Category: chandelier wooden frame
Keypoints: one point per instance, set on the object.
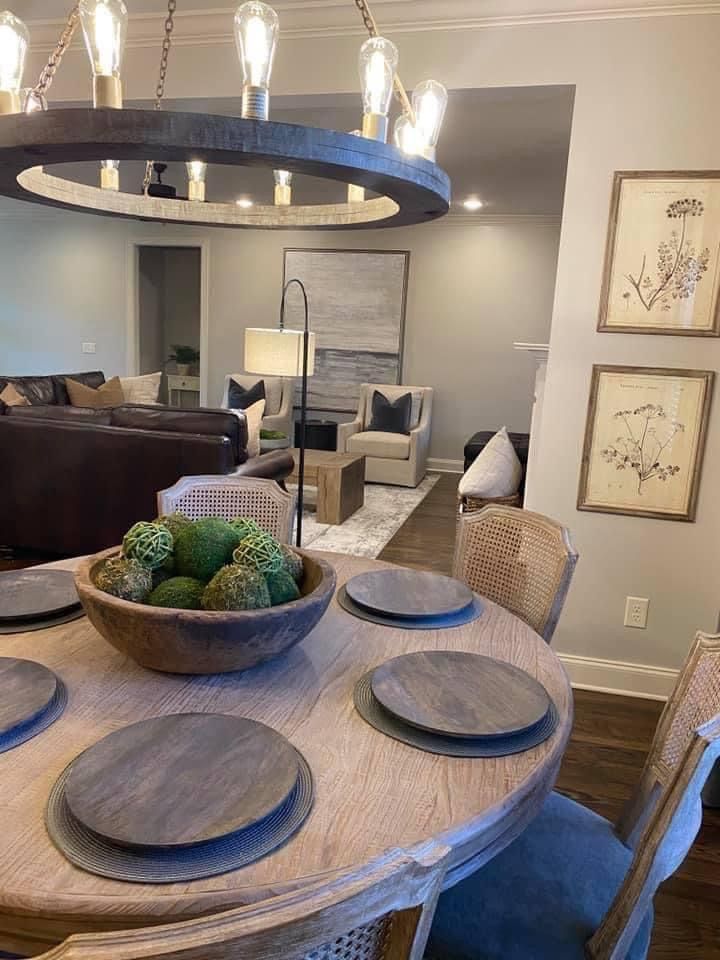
(411, 189)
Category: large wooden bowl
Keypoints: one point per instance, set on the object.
(198, 641)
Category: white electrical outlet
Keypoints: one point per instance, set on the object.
(636, 612)
(88, 347)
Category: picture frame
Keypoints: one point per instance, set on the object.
(644, 441)
(662, 257)
(358, 302)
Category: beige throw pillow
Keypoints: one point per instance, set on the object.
(110, 394)
(253, 416)
(142, 389)
(13, 398)
(495, 472)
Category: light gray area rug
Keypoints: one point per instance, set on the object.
(370, 528)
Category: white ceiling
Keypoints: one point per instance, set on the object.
(508, 146)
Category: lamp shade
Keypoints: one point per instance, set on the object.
(277, 352)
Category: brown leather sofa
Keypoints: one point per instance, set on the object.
(74, 479)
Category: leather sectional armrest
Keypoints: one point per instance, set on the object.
(275, 464)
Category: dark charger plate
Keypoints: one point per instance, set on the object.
(403, 593)
(36, 599)
(31, 698)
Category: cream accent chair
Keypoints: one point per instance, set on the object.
(278, 400)
(390, 457)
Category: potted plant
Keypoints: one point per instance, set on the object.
(273, 440)
(184, 357)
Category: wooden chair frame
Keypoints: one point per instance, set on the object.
(228, 497)
(381, 911)
(496, 575)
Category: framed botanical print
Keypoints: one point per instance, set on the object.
(644, 441)
(662, 260)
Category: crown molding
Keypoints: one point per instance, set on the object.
(498, 219)
(318, 19)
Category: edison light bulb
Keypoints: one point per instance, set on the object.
(355, 194)
(196, 171)
(406, 136)
(429, 101)
(110, 175)
(14, 41)
(283, 188)
(378, 61)
(104, 26)
(256, 32)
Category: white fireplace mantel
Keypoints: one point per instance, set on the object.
(539, 352)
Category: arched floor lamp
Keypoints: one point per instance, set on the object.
(285, 353)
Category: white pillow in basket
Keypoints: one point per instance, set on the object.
(144, 389)
(253, 416)
(495, 472)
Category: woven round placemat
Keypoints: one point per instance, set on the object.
(92, 853)
(36, 592)
(43, 623)
(470, 613)
(26, 731)
(372, 712)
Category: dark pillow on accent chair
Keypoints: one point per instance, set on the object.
(240, 399)
(391, 416)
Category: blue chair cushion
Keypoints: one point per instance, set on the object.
(543, 897)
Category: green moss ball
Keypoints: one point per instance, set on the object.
(282, 588)
(244, 526)
(293, 563)
(236, 588)
(174, 522)
(203, 547)
(261, 552)
(151, 544)
(182, 593)
(124, 578)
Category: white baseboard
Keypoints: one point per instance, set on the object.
(614, 676)
(446, 466)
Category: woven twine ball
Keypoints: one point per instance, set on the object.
(245, 526)
(151, 544)
(261, 552)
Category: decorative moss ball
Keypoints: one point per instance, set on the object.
(182, 593)
(282, 587)
(236, 588)
(293, 563)
(124, 578)
(261, 552)
(174, 522)
(161, 575)
(244, 526)
(151, 544)
(203, 547)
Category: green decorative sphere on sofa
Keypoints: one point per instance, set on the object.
(203, 547)
(261, 552)
(282, 587)
(236, 588)
(124, 578)
(292, 562)
(182, 593)
(151, 544)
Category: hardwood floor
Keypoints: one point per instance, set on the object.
(610, 739)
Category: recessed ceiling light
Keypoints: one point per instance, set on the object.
(472, 203)
(244, 202)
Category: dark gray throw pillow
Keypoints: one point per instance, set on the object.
(391, 416)
(240, 399)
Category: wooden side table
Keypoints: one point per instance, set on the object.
(179, 385)
(340, 482)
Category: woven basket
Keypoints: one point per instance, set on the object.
(470, 504)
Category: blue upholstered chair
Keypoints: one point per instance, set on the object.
(575, 887)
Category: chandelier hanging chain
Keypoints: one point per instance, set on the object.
(371, 27)
(49, 70)
(162, 76)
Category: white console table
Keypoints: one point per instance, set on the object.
(182, 389)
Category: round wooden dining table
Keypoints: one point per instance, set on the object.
(372, 793)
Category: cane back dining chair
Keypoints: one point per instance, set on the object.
(521, 560)
(379, 912)
(228, 497)
(575, 887)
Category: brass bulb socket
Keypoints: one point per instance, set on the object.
(375, 127)
(9, 102)
(196, 191)
(109, 178)
(356, 194)
(107, 92)
(255, 103)
(283, 195)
